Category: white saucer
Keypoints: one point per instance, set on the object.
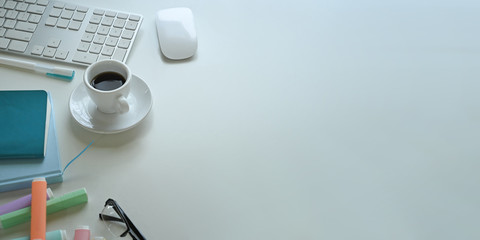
(85, 112)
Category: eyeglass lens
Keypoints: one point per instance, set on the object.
(113, 221)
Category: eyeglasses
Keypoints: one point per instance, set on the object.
(118, 222)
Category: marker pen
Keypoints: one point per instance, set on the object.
(38, 222)
(53, 205)
(82, 233)
(53, 235)
(20, 203)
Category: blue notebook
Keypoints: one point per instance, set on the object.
(24, 123)
(19, 173)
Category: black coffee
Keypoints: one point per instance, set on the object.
(108, 81)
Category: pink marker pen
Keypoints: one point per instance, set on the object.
(82, 233)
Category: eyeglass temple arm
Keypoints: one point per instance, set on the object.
(109, 218)
(134, 233)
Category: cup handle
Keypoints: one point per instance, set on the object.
(123, 104)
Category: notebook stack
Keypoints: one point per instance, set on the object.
(28, 142)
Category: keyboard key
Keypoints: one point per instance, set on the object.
(36, 9)
(2, 32)
(18, 35)
(127, 34)
(55, 12)
(82, 9)
(70, 7)
(103, 30)
(49, 52)
(62, 23)
(9, 23)
(3, 12)
(122, 16)
(111, 41)
(22, 7)
(4, 43)
(103, 57)
(42, 2)
(51, 21)
(119, 23)
(37, 50)
(99, 39)
(110, 14)
(83, 57)
(25, 26)
(17, 46)
(91, 28)
(34, 18)
(23, 16)
(54, 42)
(123, 43)
(95, 19)
(135, 18)
(107, 21)
(10, 5)
(83, 47)
(59, 5)
(119, 54)
(108, 51)
(31, 1)
(95, 48)
(98, 12)
(78, 16)
(61, 54)
(131, 25)
(66, 14)
(11, 14)
(87, 37)
(115, 32)
(74, 25)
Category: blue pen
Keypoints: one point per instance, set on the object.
(50, 71)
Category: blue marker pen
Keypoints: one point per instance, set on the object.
(53, 235)
(50, 71)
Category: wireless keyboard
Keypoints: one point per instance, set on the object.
(66, 32)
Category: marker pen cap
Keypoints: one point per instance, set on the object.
(39, 179)
(82, 233)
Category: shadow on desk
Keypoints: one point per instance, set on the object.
(114, 140)
(169, 61)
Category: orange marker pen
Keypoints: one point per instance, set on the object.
(38, 223)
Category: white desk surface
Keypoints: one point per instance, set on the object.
(295, 120)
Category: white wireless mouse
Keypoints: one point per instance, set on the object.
(176, 33)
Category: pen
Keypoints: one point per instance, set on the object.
(53, 235)
(53, 205)
(20, 203)
(38, 223)
(50, 71)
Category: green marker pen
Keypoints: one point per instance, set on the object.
(53, 205)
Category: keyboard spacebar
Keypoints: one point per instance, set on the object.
(83, 57)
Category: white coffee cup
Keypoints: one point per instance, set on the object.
(108, 85)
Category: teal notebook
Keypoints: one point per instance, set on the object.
(24, 123)
(18, 173)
